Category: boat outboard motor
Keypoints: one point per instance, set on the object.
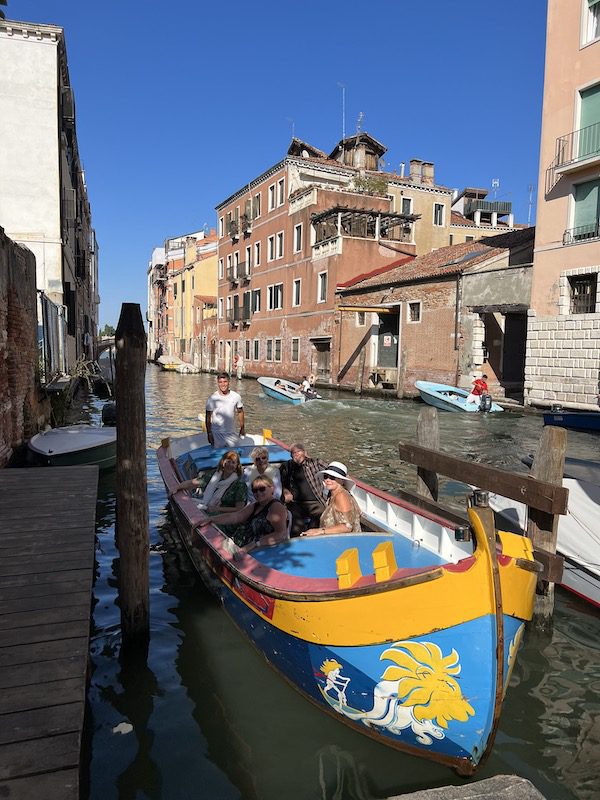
(109, 414)
(486, 402)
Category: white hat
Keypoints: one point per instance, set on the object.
(338, 471)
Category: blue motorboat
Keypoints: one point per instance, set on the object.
(574, 420)
(450, 398)
(289, 392)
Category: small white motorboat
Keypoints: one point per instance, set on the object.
(72, 445)
(289, 392)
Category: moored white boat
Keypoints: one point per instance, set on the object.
(449, 398)
(578, 538)
(72, 445)
(407, 632)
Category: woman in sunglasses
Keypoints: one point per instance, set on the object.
(261, 468)
(261, 523)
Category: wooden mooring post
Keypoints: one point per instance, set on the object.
(132, 493)
(541, 491)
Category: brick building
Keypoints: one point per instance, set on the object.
(563, 350)
(446, 316)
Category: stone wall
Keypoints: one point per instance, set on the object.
(21, 407)
(563, 361)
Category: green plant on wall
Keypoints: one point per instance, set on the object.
(371, 184)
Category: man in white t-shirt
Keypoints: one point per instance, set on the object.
(221, 410)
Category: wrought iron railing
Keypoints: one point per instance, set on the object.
(582, 232)
(571, 149)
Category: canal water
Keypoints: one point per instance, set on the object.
(203, 716)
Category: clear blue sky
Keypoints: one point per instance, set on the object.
(179, 103)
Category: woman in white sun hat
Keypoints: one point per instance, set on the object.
(341, 514)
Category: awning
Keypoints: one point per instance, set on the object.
(319, 338)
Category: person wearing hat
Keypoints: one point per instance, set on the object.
(302, 489)
(341, 514)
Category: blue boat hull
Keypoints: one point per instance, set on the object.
(449, 398)
(295, 401)
(575, 420)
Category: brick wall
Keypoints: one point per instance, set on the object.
(20, 403)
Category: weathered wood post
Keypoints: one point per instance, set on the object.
(428, 435)
(542, 527)
(402, 372)
(132, 497)
(358, 385)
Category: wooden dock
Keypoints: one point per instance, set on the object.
(47, 536)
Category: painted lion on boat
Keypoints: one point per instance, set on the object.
(417, 691)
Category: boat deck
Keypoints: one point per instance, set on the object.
(315, 556)
(47, 546)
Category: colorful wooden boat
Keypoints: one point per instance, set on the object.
(578, 539)
(574, 420)
(407, 632)
(449, 398)
(289, 392)
(72, 445)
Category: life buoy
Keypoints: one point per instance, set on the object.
(311, 379)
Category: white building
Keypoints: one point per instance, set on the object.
(43, 195)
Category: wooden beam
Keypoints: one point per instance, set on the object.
(428, 436)
(537, 494)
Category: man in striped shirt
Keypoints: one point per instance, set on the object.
(302, 490)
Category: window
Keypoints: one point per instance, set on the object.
(322, 287)
(583, 289)
(256, 206)
(236, 264)
(295, 350)
(257, 254)
(220, 308)
(255, 300)
(297, 292)
(221, 268)
(269, 350)
(228, 305)
(229, 266)
(277, 349)
(248, 260)
(281, 192)
(256, 344)
(221, 227)
(361, 319)
(221, 348)
(297, 238)
(270, 248)
(438, 214)
(469, 238)
(275, 296)
(247, 349)
(588, 143)
(451, 239)
(280, 244)
(414, 311)
(586, 216)
(193, 281)
(175, 291)
(271, 197)
(406, 205)
(183, 286)
(591, 20)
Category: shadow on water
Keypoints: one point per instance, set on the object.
(210, 718)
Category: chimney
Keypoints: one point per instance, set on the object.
(416, 166)
(427, 173)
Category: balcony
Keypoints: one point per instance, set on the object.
(244, 273)
(574, 151)
(245, 317)
(233, 317)
(583, 233)
(232, 276)
(234, 230)
(246, 224)
(487, 207)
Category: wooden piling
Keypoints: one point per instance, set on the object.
(358, 385)
(542, 527)
(428, 435)
(132, 499)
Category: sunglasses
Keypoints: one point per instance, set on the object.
(261, 458)
(260, 489)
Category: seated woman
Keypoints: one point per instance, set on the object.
(341, 514)
(261, 467)
(261, 523)
(225, 490)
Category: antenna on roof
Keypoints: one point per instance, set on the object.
(495, 186)
(361, 116)
(293, 124)
(343, 88)
(530, 190)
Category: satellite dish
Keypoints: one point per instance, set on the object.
(305, 154)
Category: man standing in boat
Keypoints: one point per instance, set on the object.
(480, 387)
(302, 490)
(221, 409)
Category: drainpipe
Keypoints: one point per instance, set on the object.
(457, 313)
(339, 349)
